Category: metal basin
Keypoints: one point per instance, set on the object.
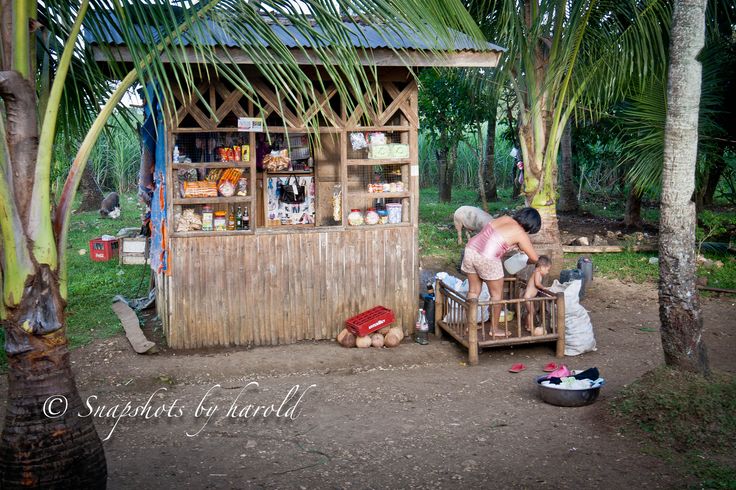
(568, 398)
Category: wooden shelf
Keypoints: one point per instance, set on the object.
(213, 233)
(241, 164)
(379, 195)
(212, 200)
(291, 172)
(384, 161)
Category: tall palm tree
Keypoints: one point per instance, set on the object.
(44, 442)
(679, 307)
(570, 58)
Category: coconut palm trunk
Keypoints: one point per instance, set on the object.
(679, 306)
(44, 442)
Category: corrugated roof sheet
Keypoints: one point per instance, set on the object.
(361, 36)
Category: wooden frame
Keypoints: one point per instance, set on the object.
(457, 316)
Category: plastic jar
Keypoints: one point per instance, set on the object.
(207, 218)
(394, 212)
(371, 217)
(382, 216)
(220, 221)
(355, 218)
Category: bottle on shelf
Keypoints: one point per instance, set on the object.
(231, 221)
(246, 219)
(176, 154)
(239, 219)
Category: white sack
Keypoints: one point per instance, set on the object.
(579, 336)
(456, 313)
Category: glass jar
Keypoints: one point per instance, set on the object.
(355, 218)
(394, 212)
(207, 218)
(220, 221)
(371, 217)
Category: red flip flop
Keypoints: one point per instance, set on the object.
(517, 368)
(550, 367)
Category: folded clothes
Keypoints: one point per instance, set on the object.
(570, 383)
(555, 377)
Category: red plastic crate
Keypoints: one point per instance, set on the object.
(369, 321)
(103, 250)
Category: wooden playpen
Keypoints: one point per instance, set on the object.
(456, 314)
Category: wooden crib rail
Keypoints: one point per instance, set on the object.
(455, 315)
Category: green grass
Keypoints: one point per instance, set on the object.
(632, 266)
(689, 420)
(92, 285)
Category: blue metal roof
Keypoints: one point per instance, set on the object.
(362, 36)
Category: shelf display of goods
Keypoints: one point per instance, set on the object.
(199, 188)
(386, 187)
(219, 182)
(228, 183)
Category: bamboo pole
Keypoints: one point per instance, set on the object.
(560, 302)
(472, 319)
(439, 308)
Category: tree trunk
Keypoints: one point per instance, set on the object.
(45, 443)
(489, 164)
(711, 182)
(679, 305)
(515, 186)
(90, 191)
(446, 161)
(568, 201)
(632, 217)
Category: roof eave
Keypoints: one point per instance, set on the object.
(377, 57)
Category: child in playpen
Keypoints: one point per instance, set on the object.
(534, 285)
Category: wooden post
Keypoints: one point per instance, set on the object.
(560, 301)
(439, 309)
(472, 319)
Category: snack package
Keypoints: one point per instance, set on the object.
(242, 187)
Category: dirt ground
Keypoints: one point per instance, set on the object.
(411, 417)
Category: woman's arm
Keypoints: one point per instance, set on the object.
(525, 245)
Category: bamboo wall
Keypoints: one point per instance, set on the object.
(280, 288)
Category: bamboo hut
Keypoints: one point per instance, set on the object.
(302, 265)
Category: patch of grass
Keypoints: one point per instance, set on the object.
(689, 419)
(92, 285)
(629, 266)
(635, 266)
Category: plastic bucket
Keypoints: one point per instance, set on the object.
(515, 263)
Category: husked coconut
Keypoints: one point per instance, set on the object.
(398, 332)
(391, 340)
(377, 340)
(363, 342)
(346, 338)
(385, 330)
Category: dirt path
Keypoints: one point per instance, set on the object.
(403, 418)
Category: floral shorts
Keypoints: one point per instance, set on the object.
(487, 269)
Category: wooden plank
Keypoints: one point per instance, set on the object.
(592, 249)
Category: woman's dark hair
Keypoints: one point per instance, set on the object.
(529, 219)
